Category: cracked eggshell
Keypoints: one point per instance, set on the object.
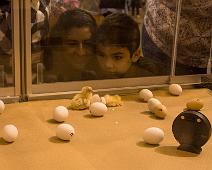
(160, 111)
(2, 106)
(145, 95)
(98, 109)
(175, 89)
(10, 133)
(103, 100)
(95, 98)
(195, 104)
(153, 135)
(60, 113)
(152, 103)
(65, 131)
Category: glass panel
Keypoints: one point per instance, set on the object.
(6, 51)
(40, 69)
(207, 79)
(194, 37)
(2, 76)
(39, 34)
(80, 40)
(158, 35)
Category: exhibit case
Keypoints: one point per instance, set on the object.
(105, 84)
(52, 48)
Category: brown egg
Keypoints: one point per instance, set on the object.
(160, 111)
(195, 104)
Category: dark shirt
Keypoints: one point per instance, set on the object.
(117, 4)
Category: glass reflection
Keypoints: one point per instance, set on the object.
(157, 35)
(118, 47)
(193, 40)
(6, 60)
(194, 37)
(39, 32)
(71, 47)
(74, 50)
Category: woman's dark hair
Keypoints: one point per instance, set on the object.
(120, 30)
(76, 18)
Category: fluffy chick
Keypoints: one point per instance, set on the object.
(113, 101)
(82, 100)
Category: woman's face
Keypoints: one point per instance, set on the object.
(77, 47)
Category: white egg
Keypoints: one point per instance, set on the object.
(98, 109)
(152, 103)
(95, 98)
(145, 95)
(160, 111)
(60, 113)
(10, 133)
(2, 106)
(103, 100)
(65, 131)
(175, 89)
(153, 135)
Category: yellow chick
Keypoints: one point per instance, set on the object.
(113, 101)
(82, 100)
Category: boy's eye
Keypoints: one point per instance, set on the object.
(117, 57)
(73, 44)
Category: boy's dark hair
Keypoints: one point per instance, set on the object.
(75, 18)
(120, 30)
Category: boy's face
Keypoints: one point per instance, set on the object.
(113, 60)
(77, 49)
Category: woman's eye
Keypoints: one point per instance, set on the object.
(87, 43)
(100, 56)
(72, 43)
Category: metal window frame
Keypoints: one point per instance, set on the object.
(12, 94)
(126, 85)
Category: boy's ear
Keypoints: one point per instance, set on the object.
(136, 55)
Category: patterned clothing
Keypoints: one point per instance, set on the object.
(6, 61)
(5, 31)
(60, 6)
(40, 24)
(90, 5)
(39, 33)
(194, 33)
(71, 4)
